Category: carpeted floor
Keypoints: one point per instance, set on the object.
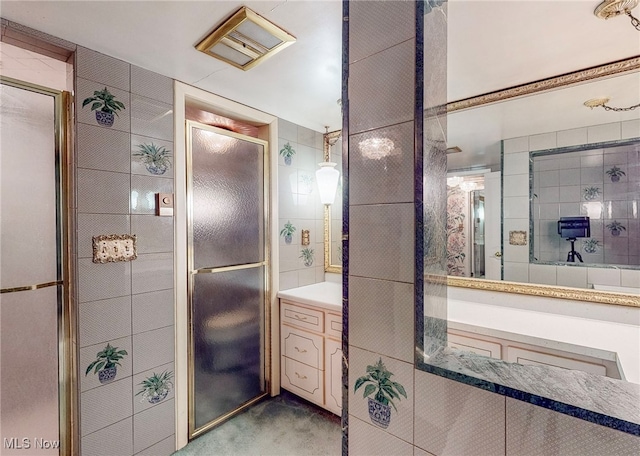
(284, 425)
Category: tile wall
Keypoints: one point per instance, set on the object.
(516, 207)
(438, 416)
(125, 305)
(299, 206)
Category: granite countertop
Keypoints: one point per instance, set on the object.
(326, 295)
(599, 399)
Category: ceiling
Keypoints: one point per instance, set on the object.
(491, 45)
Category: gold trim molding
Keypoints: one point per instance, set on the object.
(588, 74)
(546, 291)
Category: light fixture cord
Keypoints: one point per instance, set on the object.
(634, 21)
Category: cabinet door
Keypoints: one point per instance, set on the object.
(303, 380)
(473, 345)
(333, 376)
(302, 346)
(530, 357)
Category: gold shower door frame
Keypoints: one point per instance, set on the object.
(67, 376)
(266, 264)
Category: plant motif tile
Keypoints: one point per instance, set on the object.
(307, 256)
(615, 173)
(287, 232)
(105, 106)
(616, 228)
(591, 193)
(154, 157)
(106, 363)
(287, 153)
(156, 387)
(591, 245)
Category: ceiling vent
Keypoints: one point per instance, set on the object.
(245, 39)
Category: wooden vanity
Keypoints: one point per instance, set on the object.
(311, 343)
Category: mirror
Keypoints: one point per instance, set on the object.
(333, 213)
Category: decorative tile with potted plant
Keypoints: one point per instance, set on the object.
(155, 157)
(591, 193)
(287, 153)
(615, 173)
(105, 106)
(156, 387)
(616, 228)
(380, 392)
(287, 232)
(307, 256)
(590, 245)
(106, 363)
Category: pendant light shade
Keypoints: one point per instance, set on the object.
(327, 177)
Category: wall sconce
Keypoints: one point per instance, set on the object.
(327, 177)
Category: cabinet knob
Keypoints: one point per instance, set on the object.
(498, 254)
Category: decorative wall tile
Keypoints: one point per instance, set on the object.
(143, 192)
(364, 26)
(394, 420)
(153, 387)
(105, 320)
(90, 225)
(518, 237)
(151, 118)
(103, 281)
(151, 85)
(381, 314)
(103, 192)
(153, 348)
(102, 69)
(373, 101)
(368, 440)
(114, 439)
(152, 310)
(385, 249)
(104, 406)
(103, 148)
(535, 430)
(164, 447)
(151, 157)
(84, 114)
(153, 425)
(152, 272)
(91, 353)
(154, 234)
(455, 419)
(382, 179)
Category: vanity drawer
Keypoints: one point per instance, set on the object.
(302, 317)
(303, 380)
(334, 326)
(302, 346)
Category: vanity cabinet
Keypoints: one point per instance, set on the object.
(311, 354)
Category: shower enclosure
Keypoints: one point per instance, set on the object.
(228, 259)
(35, 336)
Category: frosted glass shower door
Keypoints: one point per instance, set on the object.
(30, 273)
(228, 273)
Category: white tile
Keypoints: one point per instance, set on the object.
(517, 163)
(152, 310)
(572, 137)
(306, 276)
(368, 440)
(516, 272)
(603, 276)
(93, 315)
(516, 145)
(516, 207)
(457, 419)
(630, 278)
(420, 452)
(568, 276)
(104, 406)
(542, 273)
(287, 130)
(288, 280)
(381, 315)
(401, 418)
(631, 129)
(164, 447)
(543, 141)
(118, 438)
(602, 133)
(535, 430)
(153, 425)
(516, 185)
(153, 348)
(516, 253)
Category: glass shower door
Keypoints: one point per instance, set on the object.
(30, 271)
(228, 273)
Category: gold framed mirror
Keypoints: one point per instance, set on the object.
(332, 152)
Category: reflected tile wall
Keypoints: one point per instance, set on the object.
(127, 305)
(299, 206)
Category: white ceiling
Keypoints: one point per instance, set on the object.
(491, 45)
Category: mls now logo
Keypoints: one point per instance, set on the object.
(15, 443)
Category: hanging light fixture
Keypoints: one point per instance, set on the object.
(612, 8)
(327, 177)
(602, 103)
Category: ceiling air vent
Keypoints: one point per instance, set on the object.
(245, 39)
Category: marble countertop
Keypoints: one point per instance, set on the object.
(327, 295)
(592, 397)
